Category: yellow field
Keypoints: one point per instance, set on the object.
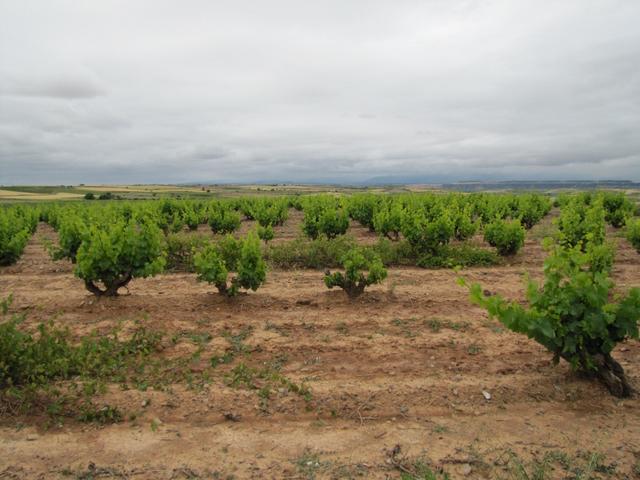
(11, 195)
(139, 188)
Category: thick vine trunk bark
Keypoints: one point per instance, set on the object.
(612, 375)
(110, 290)
(354, 290)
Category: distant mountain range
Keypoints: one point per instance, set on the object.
(450, 184)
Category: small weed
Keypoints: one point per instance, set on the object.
(493, 326)
(107, 414)
(414, 468)
(56, 373)
(200, 338)
(236, 347)
(534, 470)
(93, 472)
(440, 429)
(582, 466)
(276, 328)
(265, 380)
(420, 470)
(342, 328)
(155, 424)
(434, 324)
(407, 326)
(473, 349)
(309, 464)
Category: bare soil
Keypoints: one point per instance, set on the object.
(406, 364)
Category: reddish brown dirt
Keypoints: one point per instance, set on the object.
(380, 371)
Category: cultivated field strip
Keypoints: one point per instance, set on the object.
(407, 363)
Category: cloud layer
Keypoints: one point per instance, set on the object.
(168, 91)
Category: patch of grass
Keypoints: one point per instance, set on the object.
(94, 472)
(406, 325)
(308, 464)
(53, 371)
(420, 470)
(463, 255)
(495, 327)
(324, 253)
(584, 465)
(542, 231)
(436, 324)
(55, 374)
(276, 328)
(304, 253)
(394, 253)
(342, 328)
(237, 347)
(200, 338)
(409, 326)
(414, 468)
(474, 349)
(439, 429)
(181, 247)
(90, 413)
(533, 470)
(265, 380)
(42, 189)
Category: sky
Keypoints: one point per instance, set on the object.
(146, 91)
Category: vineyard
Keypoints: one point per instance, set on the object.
(414, 336)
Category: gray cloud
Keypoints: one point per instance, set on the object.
(231, 91)
(68, 89)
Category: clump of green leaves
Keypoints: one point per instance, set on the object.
(48, 365)
(532, 208)
(222, 218)
(115, 253)
(361, 268)
(362, 208)
(16, 226)
(214, 262)
(192, 217)
(323, 215)
(618, 208)
(26, 359)
(70, 233)
(463, 255)
(464, 225)
(570, 314)
(633, 234)
(304, 253)
(582, 223)
(265, 380)
(103, 415)
(427, 236)
(236, 347)
(506, 236)
(266, 211)
(387, 220)
(266, 233)
(181, 247)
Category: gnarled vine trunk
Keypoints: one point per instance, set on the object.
(354, 290)
(611, 373)
(110, 290)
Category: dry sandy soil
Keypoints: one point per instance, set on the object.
(406, 364)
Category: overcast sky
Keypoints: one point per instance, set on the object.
(177, 91)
